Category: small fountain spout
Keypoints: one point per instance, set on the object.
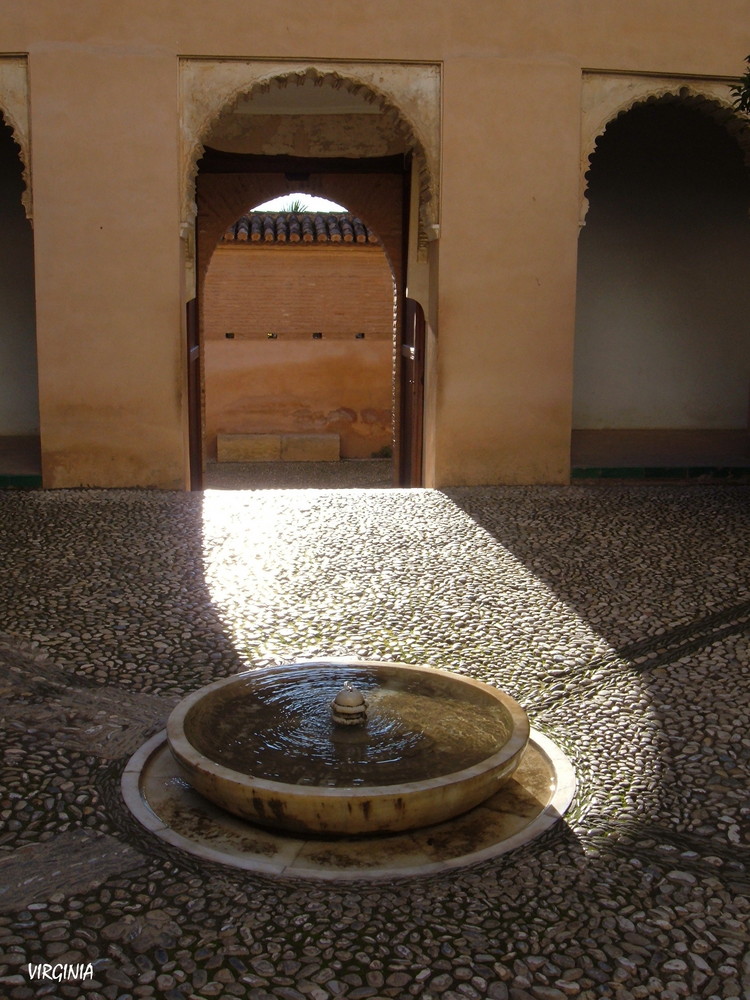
(349, 707)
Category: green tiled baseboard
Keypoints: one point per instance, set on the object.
(18, 482)
(694, 472)
(724, 473)
(607, 473)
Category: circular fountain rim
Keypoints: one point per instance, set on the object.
(182, 747)
(155, 796)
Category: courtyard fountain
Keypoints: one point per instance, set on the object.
(348, 769)
(282, 748)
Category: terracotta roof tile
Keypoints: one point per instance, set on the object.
(299, 227)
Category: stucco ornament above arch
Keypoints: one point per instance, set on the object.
(14, 105)
(409, 94)
(606, 96)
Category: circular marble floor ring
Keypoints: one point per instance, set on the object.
(537, 796)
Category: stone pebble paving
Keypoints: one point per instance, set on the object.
(618, 616)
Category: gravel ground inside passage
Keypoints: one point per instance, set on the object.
(617, 616)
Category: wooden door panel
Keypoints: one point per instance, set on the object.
(411, 381)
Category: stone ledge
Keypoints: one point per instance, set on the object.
(278, 448)
(248, 447)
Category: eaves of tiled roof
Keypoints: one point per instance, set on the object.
(299, 227)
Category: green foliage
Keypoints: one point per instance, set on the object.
(295, 205)
(741, 92)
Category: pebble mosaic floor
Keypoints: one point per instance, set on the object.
(617, 616)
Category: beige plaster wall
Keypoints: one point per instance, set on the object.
(108, 199)
(505, 324)
(109, 310)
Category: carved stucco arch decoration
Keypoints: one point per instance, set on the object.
(14, 106)
(408, 94)
(606, 97)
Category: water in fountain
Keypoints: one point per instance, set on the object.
(279, 727)
(264, 746)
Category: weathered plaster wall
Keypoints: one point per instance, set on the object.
(367, 425)
(338, 384)
(309, 387)
(109, 197)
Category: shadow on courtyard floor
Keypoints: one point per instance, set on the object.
(116, 603)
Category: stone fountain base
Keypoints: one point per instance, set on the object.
(535, 798)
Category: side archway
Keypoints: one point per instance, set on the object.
(661, 343)
(19, 393)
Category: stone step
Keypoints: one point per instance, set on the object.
(278, 447)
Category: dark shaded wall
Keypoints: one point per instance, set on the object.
(663, 292)
(19, 407)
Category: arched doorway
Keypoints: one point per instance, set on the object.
(19, 400)
(314, 130)
(662, 369)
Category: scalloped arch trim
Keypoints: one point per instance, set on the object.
(408, 95)
(14, 106)
(606, 98)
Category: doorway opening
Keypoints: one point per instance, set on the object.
(376, 189)
(298, 321)
(20, 459)
(662, 365)
(316, 130)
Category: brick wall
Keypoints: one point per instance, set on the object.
(339, 383)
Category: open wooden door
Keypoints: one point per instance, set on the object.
(411, 382)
